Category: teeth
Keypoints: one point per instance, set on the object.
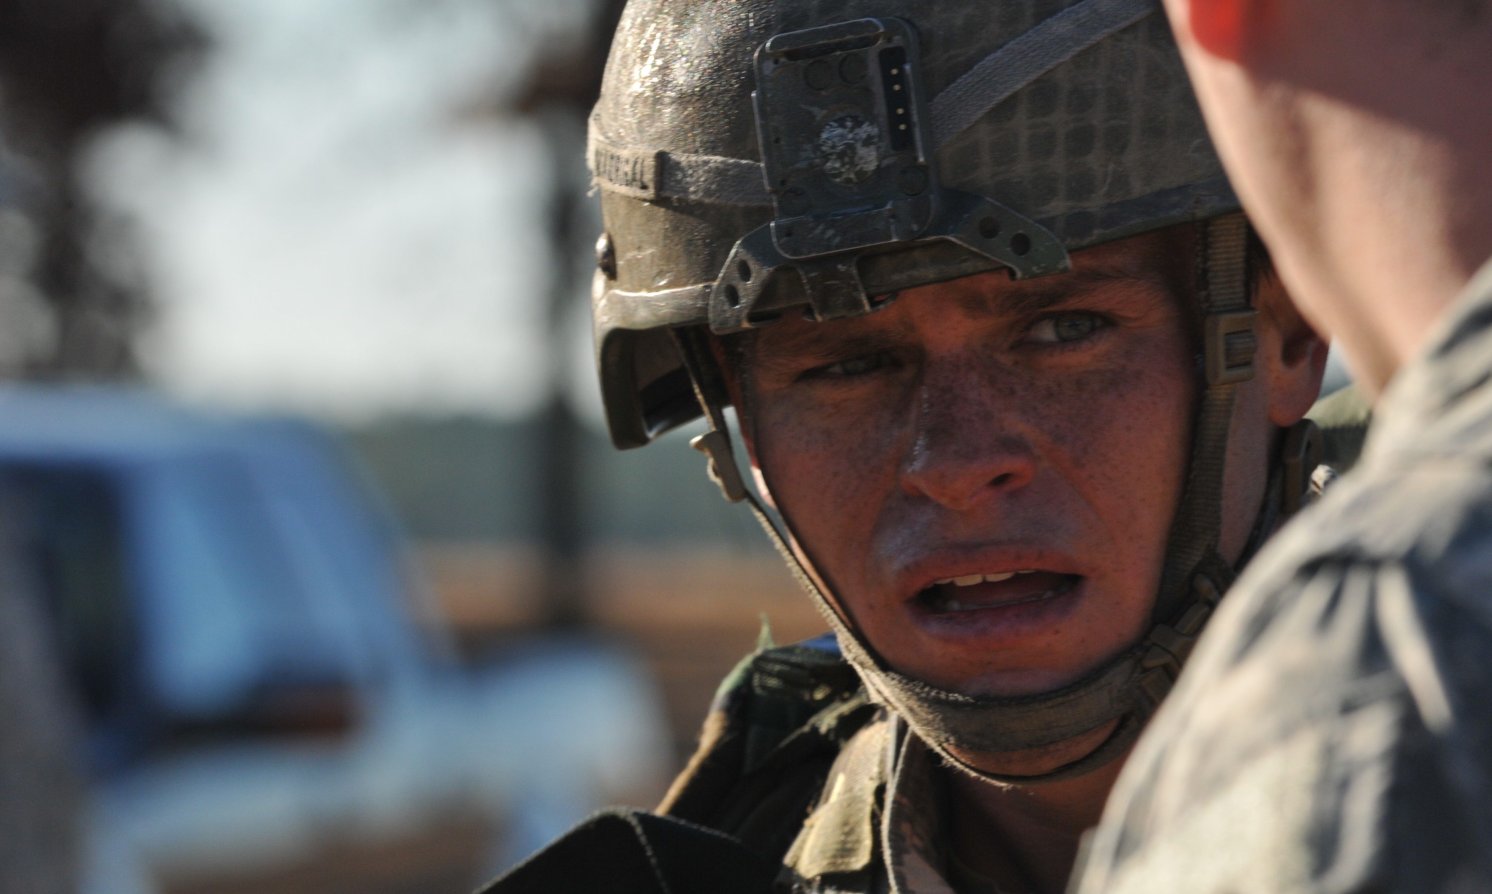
(970, 580)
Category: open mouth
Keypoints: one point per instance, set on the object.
(976, 592)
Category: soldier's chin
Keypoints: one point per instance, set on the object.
(1042, 761)
(1015, 683)
(1023, 681)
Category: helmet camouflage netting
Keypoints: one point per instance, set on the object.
(1105, 144)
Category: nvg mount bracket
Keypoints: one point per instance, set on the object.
(843, 128)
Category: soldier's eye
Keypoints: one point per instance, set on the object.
(1069, 326)
(862, 365)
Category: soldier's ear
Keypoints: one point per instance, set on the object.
(1292, 354)
(1227, 29)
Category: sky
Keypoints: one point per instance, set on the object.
(347, 227)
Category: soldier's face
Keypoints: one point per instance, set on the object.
(984, 472)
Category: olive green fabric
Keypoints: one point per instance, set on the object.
(862, 810)
(767, 745)
(795, 763)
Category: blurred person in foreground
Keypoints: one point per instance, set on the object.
(1017, 394)
(1333, 732)
(41, 787)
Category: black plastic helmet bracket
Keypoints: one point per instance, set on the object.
(848, 162)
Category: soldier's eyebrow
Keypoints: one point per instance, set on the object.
(781, 348)
(787, 346)
(1037, 295)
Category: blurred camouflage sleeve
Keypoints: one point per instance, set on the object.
(1333, 732)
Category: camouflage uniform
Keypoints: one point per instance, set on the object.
(849, 799)
(1332, 732)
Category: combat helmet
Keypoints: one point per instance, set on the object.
(762, 157)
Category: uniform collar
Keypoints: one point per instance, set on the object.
(1440, 398)
(915, 833)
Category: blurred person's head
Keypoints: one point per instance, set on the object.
(1358, 136)
(1004, 359)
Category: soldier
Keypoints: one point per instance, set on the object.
(1017, 398)
(1332, 733)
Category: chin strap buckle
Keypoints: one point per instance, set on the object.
(1228, 346)
(722, 464)
(1169, 645)
(1300, 454)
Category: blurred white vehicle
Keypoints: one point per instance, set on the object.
(261, 707)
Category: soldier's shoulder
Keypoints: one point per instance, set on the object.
(777, 693)
(778, 723)
(805, 673)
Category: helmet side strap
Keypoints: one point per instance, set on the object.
(1195, 574)
(709, 389)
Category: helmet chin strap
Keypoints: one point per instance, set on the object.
(1128, 688)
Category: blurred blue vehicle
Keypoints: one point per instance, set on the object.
(257, 693)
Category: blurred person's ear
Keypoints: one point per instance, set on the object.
(1292, 354)
(1224, 28)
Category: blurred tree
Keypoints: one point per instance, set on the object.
(571, 79)
(68, 70)
(558, 93)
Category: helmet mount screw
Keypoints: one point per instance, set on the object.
(606, 256)
(913, 181)
(819, 75)
(795, 202)
(852, 70)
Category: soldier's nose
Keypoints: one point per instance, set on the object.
(962, 455)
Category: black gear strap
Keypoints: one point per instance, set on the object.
(624, 850)
(1227, 359)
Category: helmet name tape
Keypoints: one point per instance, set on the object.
(655, 174)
